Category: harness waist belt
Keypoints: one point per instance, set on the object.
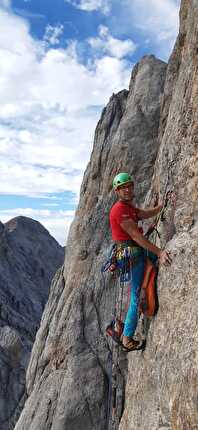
(125, 243)
(132, 251)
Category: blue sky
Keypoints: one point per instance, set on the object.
(60, 62)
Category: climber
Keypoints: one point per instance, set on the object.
(124, 217)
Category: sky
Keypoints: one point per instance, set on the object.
(60, 62)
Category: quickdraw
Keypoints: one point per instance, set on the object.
(111, 264)
(169, 197)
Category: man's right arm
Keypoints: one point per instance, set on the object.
(131, 228)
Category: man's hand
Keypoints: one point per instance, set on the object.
(164, 257)
(159, 207)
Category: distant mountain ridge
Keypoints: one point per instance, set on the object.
(29, 258)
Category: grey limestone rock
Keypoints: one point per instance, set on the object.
(29, 258)
(166, 375)
(68, 374)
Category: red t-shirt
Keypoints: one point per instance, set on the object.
(120, 212)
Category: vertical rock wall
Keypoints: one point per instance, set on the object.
(68, 375)
(163, 381)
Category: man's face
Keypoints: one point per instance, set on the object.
(126, 192)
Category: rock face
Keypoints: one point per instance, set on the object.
(68, 375)
(29, 257)
(166, 375)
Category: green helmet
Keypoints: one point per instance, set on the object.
(121, 179)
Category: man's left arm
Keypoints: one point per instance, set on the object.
(149, 213)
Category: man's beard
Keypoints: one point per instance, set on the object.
(127, 199)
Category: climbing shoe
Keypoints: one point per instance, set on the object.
(132, 345)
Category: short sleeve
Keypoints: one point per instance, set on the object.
(137, 214)
(121, 214)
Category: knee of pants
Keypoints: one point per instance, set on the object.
(134, 300)
(137, 277)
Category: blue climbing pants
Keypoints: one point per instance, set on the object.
(137, 275)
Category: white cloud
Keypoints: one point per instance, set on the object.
(46, 99)
(107, 44)
(5, 4)
(157, 19)
(53, 33)
(57, 223)
(111, 70)
(24, 179)
(157, 16)
(103, 6)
